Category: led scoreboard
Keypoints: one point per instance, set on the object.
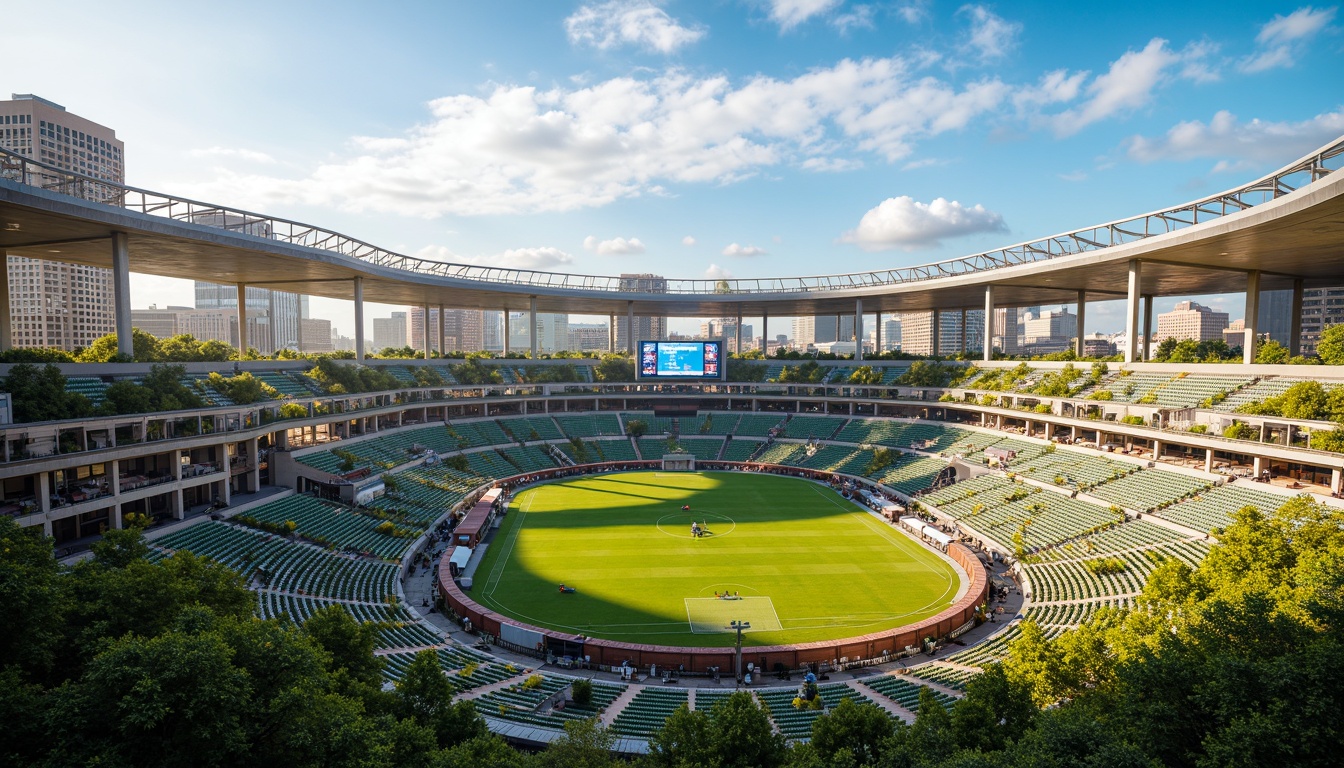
(681, 361)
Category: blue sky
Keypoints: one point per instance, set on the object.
(734, 137)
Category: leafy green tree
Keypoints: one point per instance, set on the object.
(858, 729)
(1165, 349)
(104, 349)
(1330, 347)
(473, 371)
(685, 739)
(349, 644)
(581, 692)
(38, 394)
(865, 374)
(923, 373)
(32, 612)
(742, 736)
(34, 355)
(1271, 353)
(615, 368)
(586, 744)
(809, 372)
(426, 697)
(636, 428)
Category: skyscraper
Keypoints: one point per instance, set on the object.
(54, 304)
(281, 310)
(646, 327)
(389, 332)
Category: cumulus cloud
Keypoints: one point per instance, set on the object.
(1282, 38)
(521, 149)
(688, 241)
(544, 257)
(903, 222)
(790, 13)
(715, 272)
(639, 23)
(858, 17)
(1227, 137)
(235, 153)
(617, 246)
(1130, 81)
(913, 11)
(991, 36)
(733, 249)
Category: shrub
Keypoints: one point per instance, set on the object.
(581, 692)
(1135, 420)
(533, 682)
(1239, 431)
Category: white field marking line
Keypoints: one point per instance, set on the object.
(692, 622)
(496, 573)
(893, 540)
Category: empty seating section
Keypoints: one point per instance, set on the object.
(388, 450)
(208, 394)
(1072, 614)
(911, 474)
(780, 453)
(1074, 469)
(805, 427)
(656, 425)
(422, 494)
(958, 499)
(838, 375)
(945, 675)
(996, 648)
(615, 450)
(1130, 535)
(1149, 490)
(648, 710)
(1213, 507)
(1043, 519)
(1074, 580)
(473, 434)
(757, 424)
(796, 723)
(331, 525)
(705, 449)
(283, 384)
(906, 692)
(284, 565)
(881, 431)
(653, 447)
(1255, 393)
(740, 449)
(521, 701)
(489, 463)
(466, 669)
(706, 698)
(531, 458)
(773, 372)
(91, 387)
(589, 424)
(528, 428)
(715, 423)
(397, 628)
(892, 373)
(1191, 391)
(1135, 386)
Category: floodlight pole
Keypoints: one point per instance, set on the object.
(739, 626)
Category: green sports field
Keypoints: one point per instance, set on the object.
(807, 564)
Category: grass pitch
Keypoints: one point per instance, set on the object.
(808, 564)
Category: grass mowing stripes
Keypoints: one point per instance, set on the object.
(829, 568)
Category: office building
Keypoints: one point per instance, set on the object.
(389, 332)
(588, 337)
(1321, 308)
(1190, 320)
(52, 303)
(280, 308)
(646, 327)
(891, 335)
(159, 323)
(315, 336)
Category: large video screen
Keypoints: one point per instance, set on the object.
(684, 360)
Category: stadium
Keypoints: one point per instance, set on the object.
(890, 538)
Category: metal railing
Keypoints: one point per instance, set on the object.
(1288, 179)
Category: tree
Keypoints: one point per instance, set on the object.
(104, 349)
(1330, 347)
(742, 736)
(860, 729)
(586, 744)
(581, 692)
(636, 428)
(32, 612)
(865, 374)
(923, 373)
(1271, 353)
(38, 394)
(426, 697)
(615, 368)
(685, 739)
(349, 644)
(1165, 349)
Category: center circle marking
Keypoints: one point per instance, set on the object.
(684, 520)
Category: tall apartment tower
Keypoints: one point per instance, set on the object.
(389, 332)
(54, 304)
(645, 327)
(279, 308)
(1190, 320)
(463, 329)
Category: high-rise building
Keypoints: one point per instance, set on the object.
(54, 304)
(891, 335)
(389, 331)
(1276, 309)
(315, 335)
(1051, 327)
(917, 332)
(821, 329)
(463, 329)
(1321, 308)
(1190, 320)
(552, 332)
(646, 327)
(159, 323)
(586, 337)
(1006, 337)
(281, 309)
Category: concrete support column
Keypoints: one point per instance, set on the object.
(1082, 315)
(988, 351)
(1157, 449)
(242, 320)
(429, 344)
(1073, 434)
(1295, 321)
(443, 331)
(507, 332)
(1147, 347)
(877, 333)
(963, 332)
(738, 347)
(858, 330)
(611, 333)
(6, 330)
(44, 493)
(630, 327)
(179, 509)
(1257, 465)
(254, 475)
(359, 319)
(1252, 317)
(532, 325)
(121, 293)
(937, 332)
(1133, 349)
(1208, 460)
(765, 333)
(1336, 481)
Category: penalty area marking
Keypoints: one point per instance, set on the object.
(712, 615)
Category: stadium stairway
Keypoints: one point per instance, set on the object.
(619, 704)
(891, 707)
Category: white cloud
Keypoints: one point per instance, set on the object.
(859, 17)
(903, 222)
(521, 149)
(618, 246)
(1226, 137)
(913, 11)
(790, 13)
(249, 155)
(823, 164)
(516, 258)
(639, 23)
(1073, 176)
(715, 272)
(991, 36)
(1054, 87)
(1130, 82)
(1282, 38)
(733, 249)
(688, 241)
